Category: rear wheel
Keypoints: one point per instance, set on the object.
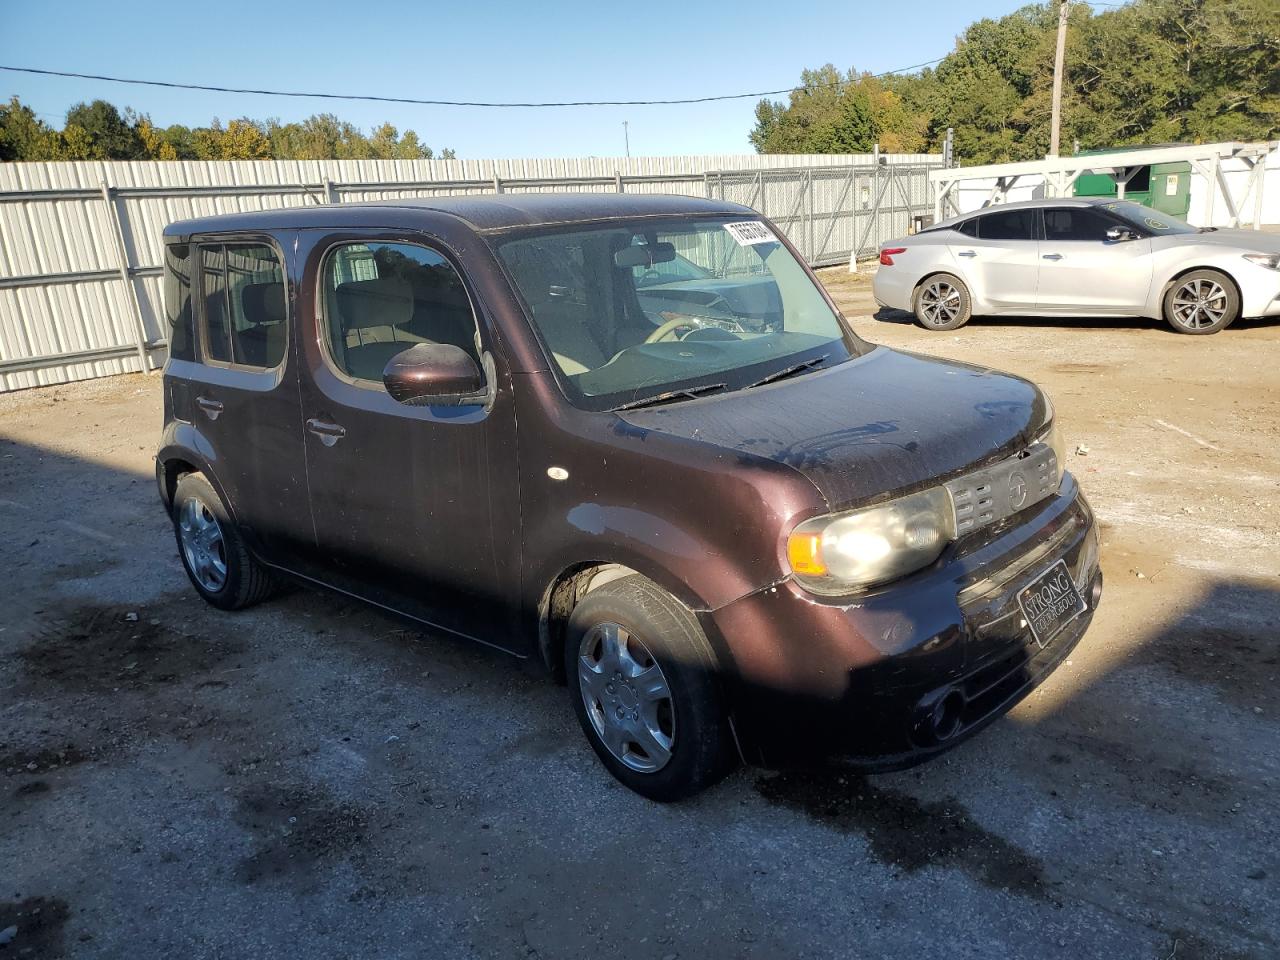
(642, 677)
(1201, 302)
(212, 551)
(942, 302)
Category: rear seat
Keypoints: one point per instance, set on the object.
(374, 313)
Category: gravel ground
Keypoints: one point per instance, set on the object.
(311, 779)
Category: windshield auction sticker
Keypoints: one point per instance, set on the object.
(750, 232)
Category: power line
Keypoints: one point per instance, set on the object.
(453, 103)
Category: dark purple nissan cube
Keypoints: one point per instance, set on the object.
(632, 438)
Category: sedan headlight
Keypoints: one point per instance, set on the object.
(844, 552)
(1269, 260)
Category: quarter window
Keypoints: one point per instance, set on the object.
(244, 294)
(969, 228)
(380, 299)
(177, 300)
(1010, 225)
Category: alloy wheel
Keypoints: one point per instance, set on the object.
(940, 303)
(203, 546)
(1199, 304)
(627, 697)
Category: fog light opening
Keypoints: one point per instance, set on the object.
(946, 715)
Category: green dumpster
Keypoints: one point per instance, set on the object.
(1162, 186)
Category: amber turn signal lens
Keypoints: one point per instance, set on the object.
(804, 550)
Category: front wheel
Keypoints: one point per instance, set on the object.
(942, 302)
(642, 677)
(1201, 302)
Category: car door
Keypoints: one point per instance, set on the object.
(415, 508)
(999, 257)
(1081, 271)
(242, 393)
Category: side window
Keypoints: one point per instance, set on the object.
(177, 300)
(244, 296)
(969, 228)
(1075, 223)
(382, 298)
(1010, 225)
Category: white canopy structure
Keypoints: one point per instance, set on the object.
(1059, 173)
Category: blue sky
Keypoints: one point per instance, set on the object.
(447, 49)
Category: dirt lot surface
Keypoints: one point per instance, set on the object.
(311, 779)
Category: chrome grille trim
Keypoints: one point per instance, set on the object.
(987, 496)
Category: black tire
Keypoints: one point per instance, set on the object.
(1201, 302)
(245, 581)
(942, 302)
(701, 745)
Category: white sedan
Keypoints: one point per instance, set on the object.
(1080, 257)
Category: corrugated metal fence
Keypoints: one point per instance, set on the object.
(80, 242)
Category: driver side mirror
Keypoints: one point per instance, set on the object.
(433, 373)
(1120, 233)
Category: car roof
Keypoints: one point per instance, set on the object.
(1024, 205)
(483, 213)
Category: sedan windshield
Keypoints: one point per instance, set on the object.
(1149, 220)
(643, 312)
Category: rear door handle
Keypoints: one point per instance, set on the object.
(1052, 256)
(966, 253)
(329, 433)
(211, 407)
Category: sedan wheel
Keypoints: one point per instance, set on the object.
(942, 303)
(1201, 302)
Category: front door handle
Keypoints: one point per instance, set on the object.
(966, 253)
(211, 407)
(1052, 256)
(329, 433)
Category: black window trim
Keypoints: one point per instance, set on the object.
(321, 255)
(198, 243)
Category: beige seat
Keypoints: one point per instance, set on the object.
(373, 314)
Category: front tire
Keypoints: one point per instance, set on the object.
(212, 551)
(1201, 302)
(942, 302)
(642, 678)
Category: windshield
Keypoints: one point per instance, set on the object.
(637, 311)
(1151, 221)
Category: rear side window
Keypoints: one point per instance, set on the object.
(177, 300)
(1075, 223)
(1010, 225)
(244, 304)
(380, 299)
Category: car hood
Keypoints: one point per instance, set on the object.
(870, 427)
(1253, 240)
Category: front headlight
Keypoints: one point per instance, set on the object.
(1269, 260)
(844, 552)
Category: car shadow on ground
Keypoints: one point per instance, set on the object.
(317, 750)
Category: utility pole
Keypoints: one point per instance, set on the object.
(626, 137)
(1055, 131)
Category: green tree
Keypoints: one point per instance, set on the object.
(110, 135)
(24, 136)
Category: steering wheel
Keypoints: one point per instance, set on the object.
(670, 327)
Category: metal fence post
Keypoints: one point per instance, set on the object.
(330, 192)
(617, 180)
(813, 252)
(122, 259)
(497, 184)
(706, 184)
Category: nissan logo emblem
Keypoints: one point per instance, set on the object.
(1017, 490)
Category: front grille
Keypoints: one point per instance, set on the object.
(989, 495)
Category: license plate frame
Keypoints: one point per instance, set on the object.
(1050, 602)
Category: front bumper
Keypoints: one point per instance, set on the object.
(863, 679)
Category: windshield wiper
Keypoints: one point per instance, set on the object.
(788, 371)
(688, 393)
